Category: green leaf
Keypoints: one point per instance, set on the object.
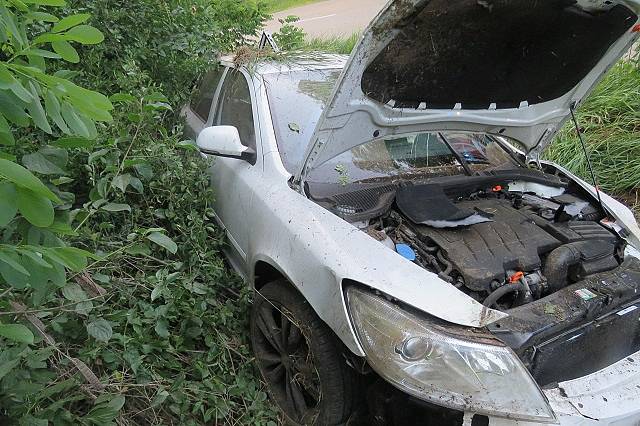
(6, 78)
(7, 366)
(16, 332)
(13, 260)
(115, 207)
(122, 97)
(74, 122)
(46, 2)
(11, 27)
(163, 241)
(162, 328)
(66, 51)
(37, 111)
(104, 413)
(24, 178)
(62, 180)
(74, 142)
(36, 257)
(85, 34)
(70, 21)
(47, 161)
(19, 90)
(74, 293)
(52, 106)
(8, 203)
(41, 53)
(121, 182)
(43, 16)
(6, 135)
(37, 209)
(100, 330)
(12, 108)
(160, 397)
(73, 258)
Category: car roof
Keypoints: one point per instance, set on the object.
(305, 62)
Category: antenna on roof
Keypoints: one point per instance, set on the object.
(572, 108)
(267, 39)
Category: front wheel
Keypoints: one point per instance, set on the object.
(299, 358)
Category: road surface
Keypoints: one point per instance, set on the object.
(331, 17)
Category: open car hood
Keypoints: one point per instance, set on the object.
(504, 67)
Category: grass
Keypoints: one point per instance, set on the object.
(273, 6)
(611, 122)
(337, 44)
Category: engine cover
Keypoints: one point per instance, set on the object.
(485, 252)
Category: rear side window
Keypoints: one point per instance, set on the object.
(201, 103)
(234, 108)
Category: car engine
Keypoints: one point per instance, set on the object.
(504, 240)
(522, 247)
(529, 243)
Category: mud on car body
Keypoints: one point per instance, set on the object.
(413, 258)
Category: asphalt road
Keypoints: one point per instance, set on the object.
(331, 17)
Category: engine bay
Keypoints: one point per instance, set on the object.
(505, 239)
(518, 248)
(528, 243)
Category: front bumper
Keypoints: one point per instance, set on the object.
(610, 396)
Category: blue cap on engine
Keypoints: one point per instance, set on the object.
(406, 252)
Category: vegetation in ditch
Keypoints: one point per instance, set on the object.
(610, 120)
(115, 303)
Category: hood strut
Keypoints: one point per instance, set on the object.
(572, 109)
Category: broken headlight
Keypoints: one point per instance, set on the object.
(424, 360)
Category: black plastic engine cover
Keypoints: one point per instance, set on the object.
(486, 251)
(579, 329)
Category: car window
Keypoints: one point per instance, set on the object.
(296, 100)
(201, 102)
(421, 155)
(234, 108)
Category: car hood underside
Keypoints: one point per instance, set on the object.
(509, 67)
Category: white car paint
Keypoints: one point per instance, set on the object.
(268, 221)
(609, 397)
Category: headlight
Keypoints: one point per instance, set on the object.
(424, 360)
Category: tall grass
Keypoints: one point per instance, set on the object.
(336, 44)
(273, 6)
(611, 122)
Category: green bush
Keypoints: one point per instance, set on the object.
(171, 41)
(145, 325)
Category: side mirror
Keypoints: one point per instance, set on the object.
(224, 141)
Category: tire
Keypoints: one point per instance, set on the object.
(306, 374)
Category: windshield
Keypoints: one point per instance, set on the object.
(417, 156)
(296, 101)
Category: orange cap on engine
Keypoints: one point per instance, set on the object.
(516, 277)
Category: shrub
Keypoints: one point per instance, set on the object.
(148, 325)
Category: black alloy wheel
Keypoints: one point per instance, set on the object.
(297, 355)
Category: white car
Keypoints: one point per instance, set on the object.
(414, 261)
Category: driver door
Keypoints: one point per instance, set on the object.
(233, 179)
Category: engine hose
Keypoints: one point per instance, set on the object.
(592, 217)
(444, 260)
(503, 291)
(556, 268)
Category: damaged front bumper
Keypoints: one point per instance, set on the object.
(610, 396)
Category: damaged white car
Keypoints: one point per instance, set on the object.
(414, 261)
